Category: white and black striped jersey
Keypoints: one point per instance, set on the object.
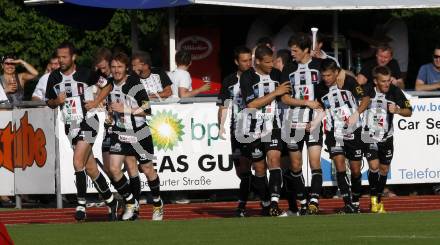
(303, 78)
(132, 95)
(230, 96)
(156, 81)
(339, 105)
(78, 89)
(254, 86)
(378, 121)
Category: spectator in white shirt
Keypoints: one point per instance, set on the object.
(40, 90)
(182, 82)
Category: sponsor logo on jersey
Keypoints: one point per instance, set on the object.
(336, 149)
(102, 81)
(257, 153)
(68, 89)
(116, 147)
(326, 103)
(359, 90)
(143, 157)
(127, 138)
(315, 76)
(293, 146)
(304, 93)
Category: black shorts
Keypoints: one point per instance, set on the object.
(381, 150)
(86, 130)
(259, 149)
(352, 149)
(138, 144)
(239, 149)
(299, 136)
(106, 142)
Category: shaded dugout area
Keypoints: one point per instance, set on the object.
(233, 24)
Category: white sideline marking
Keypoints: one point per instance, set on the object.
(399, 237)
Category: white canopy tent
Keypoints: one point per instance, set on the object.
(269, 4)
(325, 4)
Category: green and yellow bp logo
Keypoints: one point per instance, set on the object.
(166, 130)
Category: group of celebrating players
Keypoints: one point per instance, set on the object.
(127, 139)
(274, 113)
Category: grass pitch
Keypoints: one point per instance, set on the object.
(394, 228)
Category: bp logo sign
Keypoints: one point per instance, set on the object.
(166, 130)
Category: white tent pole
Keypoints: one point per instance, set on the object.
(172, 34)
(335, 34)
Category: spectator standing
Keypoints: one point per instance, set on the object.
(13, 83)
(40, 90)
(182, 82)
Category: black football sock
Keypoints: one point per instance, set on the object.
(290, 190)
(356, 187)
(342, 180)
(135, 186)
(123, 188)
(381, 186)
(373, 178)
(102, 187)
(300, 188)
(275, 183)
(81, 187)
(261, 187)
(245, 186)
(316, 185)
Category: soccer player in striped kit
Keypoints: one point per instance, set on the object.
(230, 99)
(102, 65)
(343, 128)
(261, 123)
(377, 131)
(303, 75)
(131, 136)
(69, 87)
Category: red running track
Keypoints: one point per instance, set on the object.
(207, 210)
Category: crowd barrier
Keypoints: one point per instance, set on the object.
(36, 157)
